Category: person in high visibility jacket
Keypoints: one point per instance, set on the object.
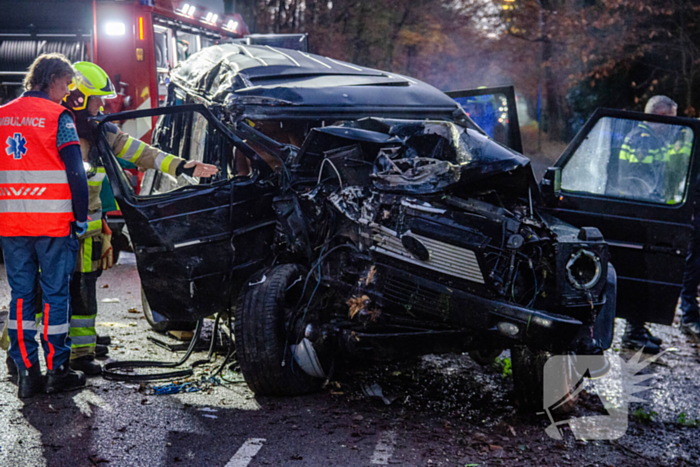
(43, 194)
(652, 160)
(90, 87)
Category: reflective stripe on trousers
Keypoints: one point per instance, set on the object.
(82, 324)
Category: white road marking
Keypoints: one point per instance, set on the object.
(246, 452)
(384, 448)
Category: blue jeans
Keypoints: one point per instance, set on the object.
(691, 280)
(56, 257)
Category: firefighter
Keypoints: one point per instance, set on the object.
(43, 191)
(648, 159)
(91, 86)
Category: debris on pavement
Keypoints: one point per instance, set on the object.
(110, 300)
(188, 386)
(375, 390)
(181, 335)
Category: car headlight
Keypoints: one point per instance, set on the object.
(584, 269)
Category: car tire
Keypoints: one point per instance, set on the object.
(528, 379)
(161, 324)
(260, 332)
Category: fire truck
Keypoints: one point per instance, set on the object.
(136, 42)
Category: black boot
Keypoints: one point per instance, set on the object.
(101, 350)
(30, 382)
(11, 366)
(87, 365)
(104, 340)
(63, 379)
(636, 337)
(653, 338)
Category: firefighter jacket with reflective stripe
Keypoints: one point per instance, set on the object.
(126, 148)
(35, 198)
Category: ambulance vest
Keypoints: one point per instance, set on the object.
(35, 198)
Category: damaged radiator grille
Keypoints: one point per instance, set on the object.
(414, 297)
(444, 258)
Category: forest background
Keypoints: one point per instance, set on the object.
(564, 57)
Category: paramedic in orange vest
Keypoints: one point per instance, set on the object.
(43, 205)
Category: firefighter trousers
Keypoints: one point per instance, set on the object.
(56, 257)
(83, 292)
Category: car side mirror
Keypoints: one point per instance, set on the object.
(551, 182)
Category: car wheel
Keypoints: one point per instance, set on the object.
(262, 345)
(528, 380)
(159, 322)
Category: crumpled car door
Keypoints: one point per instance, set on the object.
(194, 239)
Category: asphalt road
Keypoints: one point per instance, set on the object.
(443, 410)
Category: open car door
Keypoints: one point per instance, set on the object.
(196, 240)
(634, 177)
(495, 111)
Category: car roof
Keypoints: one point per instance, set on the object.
(273, 76)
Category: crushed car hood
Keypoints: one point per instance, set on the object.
(426, 157)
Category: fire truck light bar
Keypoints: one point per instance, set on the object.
(211, 18)
(187, 10)
(115, 29)
(231, 25)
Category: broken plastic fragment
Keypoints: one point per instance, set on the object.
(370, 275)
(110, 300)
(375, 390)
(264, 278)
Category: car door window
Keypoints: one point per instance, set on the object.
(630, 159)
(185, 135)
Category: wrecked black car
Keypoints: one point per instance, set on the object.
(356, 214)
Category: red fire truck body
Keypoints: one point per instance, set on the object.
(136, 42)
(141, 43)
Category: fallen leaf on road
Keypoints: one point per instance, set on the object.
(133, 310)
(106, 286)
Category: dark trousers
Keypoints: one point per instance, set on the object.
(691, 280)
(23, 257)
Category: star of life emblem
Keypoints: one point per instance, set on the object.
(16, 146)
